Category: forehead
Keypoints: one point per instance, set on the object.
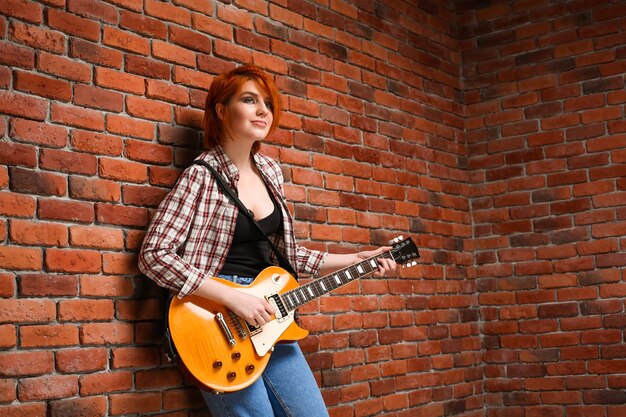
(252, 86)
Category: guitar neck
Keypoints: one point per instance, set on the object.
(308, 292)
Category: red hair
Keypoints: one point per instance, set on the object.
(223, 88)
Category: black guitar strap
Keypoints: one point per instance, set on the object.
(282, 260)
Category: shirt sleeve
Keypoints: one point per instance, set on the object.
(167, 233)
(309, 261)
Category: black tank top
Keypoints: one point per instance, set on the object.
(250, 252)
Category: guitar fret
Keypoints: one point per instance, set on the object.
(337, 279)
(311, 291)
(348, 275)
(359, 268)
(373, 263)
(322, 285)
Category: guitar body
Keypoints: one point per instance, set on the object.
(220, 350)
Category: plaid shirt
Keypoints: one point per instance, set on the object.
(192, 230)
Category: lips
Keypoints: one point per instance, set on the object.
(260, 123)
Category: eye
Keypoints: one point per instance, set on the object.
(269, 105)
(249, 100)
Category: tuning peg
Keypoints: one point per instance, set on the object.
(396, 240)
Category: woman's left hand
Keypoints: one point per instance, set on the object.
(385, 265)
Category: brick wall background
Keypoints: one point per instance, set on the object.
(544, 95)
(490, 132)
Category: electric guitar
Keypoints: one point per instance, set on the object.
(224, 353)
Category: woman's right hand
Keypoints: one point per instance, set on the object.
(254, 310)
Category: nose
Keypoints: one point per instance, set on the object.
(262, 108)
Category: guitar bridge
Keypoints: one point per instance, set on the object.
(237, 322)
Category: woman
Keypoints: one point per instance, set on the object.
(198, 233)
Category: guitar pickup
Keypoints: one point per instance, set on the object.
(279, 306)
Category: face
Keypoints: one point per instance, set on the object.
(250, 113)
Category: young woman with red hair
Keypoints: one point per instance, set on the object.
(198, 233)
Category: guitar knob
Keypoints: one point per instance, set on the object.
(217, 364)
(249, 368)
(231, 375)
(236, 356)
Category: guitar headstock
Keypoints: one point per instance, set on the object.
(404, 251)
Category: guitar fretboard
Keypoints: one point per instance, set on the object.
(303, 294)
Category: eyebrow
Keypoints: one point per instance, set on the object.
(252, 94)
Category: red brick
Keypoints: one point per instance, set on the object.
(134, 403)
(77, 116)
(161, 90)
(190, 39)
(126, 126)
(148, 109)
(85, 310)
(117, 80)
(121, 215)
(38, 38)
(163, 176)
(47, 387)
(64, 161)
(73, 260)
(30, 233)
(87, 407)
(17, 154)
(17, 56)
(120, 263)
(39, 133)
(96, 143)
(168, 12)
(153, 28)
(143, 195)
(73, 24)
(99, 383)
(146, 67)
(95, 54)
(212, 26)
(63, 67)
(48, 335)
(192, 78)
(8, 340)
(26, 363)
(23, 106)
(105, 286)
(23, 9)
(125, 40)
(96, 237)
(106, 333)
(52, 209)
(48, 285)
(20, 258)
(94, 189)
(98, 98)
(126, 171)
(148, 152)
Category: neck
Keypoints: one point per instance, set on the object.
(238, 153)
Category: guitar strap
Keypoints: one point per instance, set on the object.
(282, 260)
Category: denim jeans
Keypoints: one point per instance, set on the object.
(286, 388)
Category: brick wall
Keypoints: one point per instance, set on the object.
(544, 95)
(101, 103)
(491, 133)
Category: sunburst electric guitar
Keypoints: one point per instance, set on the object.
(224, 353)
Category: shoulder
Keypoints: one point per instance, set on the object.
(269, 167)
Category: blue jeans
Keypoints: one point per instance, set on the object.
(286, 388)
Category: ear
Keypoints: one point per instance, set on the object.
(219, 109)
